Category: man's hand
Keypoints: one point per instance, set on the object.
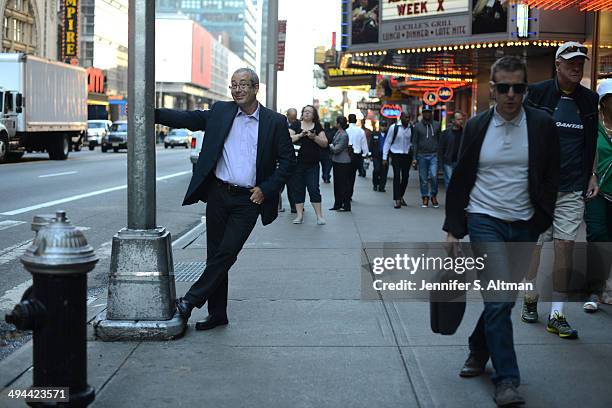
(593, 188)
(452, 245)
(257, 195)
(414, 164)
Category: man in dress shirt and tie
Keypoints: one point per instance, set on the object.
(246, 157)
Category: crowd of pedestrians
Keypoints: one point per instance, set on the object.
(530, 169)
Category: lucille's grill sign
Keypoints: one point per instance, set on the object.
(399, 9)
(70, 31)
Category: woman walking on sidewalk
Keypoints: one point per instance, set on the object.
(311, 139)
(341, 160)
(598, 214)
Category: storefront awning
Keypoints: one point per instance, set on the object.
(582, 5)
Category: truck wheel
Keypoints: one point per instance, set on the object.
(4, 146)
(103, 148)
(59, 148)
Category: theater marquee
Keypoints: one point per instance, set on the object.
(70, 30)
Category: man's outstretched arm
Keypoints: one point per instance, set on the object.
(179, 119)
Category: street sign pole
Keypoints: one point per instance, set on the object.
(141, 289)
(271, 57)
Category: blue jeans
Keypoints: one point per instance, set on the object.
(493, 333)
(448, 172)
(428, 169)
(306, 176)
(326, 164)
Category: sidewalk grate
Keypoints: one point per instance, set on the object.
(188, 271)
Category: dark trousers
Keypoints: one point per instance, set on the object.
(342, 180)
(598, 219)
(493, 334)
(230, 218)
(379, 173)
(361, 169)
(326, 165)
(401, 170)
(306, 177)
(356, 165)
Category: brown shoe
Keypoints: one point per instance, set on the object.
(425, 202)
(474, 365)
(434, 202)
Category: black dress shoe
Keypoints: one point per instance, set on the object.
(184, 308)
(382, 190)
(403, 203)
(211, 322)
(375, 188)
(474, 365)
(334, 208)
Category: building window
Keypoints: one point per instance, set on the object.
(190, 4)
(19, 28)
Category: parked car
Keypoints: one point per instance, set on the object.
(96, 130)
(116, 138)
(178, 137)
(196, 146)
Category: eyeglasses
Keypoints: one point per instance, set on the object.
(505, 88)
(243, 86)
(574, 48)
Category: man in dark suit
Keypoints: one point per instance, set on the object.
(246, 157)
(503, 190)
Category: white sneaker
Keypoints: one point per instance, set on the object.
(592, 305)
(298, 220)
(321, 221)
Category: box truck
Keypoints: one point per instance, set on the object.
(43, 106)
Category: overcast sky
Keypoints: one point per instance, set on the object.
(309, 24)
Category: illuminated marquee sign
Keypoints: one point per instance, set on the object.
(399, 9)
(95, 80)
(70, 30)
(391, 111)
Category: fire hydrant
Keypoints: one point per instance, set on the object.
(55, 308)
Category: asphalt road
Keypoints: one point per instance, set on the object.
(91, 187)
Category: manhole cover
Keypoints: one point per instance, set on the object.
(188, 271)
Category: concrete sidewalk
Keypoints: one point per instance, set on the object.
(299, 335)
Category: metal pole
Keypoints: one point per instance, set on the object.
(141, 289)
(141, 115)
(272, 54)
(595, 52)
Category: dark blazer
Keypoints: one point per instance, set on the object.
(275, 157)
(543, 170)
(545, 95)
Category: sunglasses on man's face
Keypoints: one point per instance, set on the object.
(574, 48)
(505, 88)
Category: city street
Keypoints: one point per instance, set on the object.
(91, 187)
